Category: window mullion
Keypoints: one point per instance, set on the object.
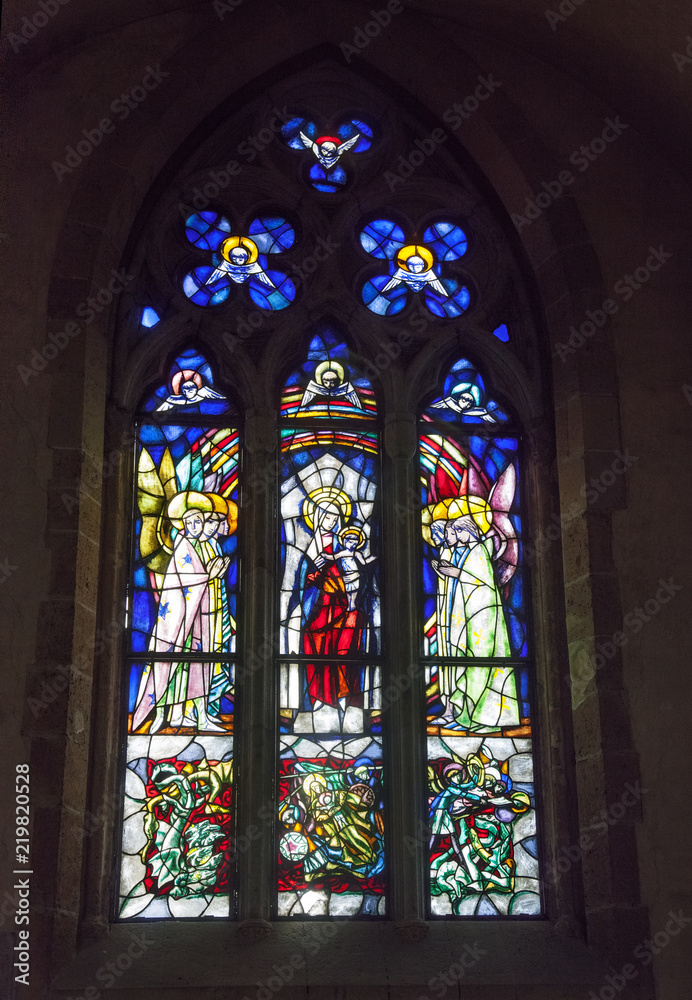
(256, 750)
(403, 687)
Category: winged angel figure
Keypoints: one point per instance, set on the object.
(179, 546)
(327, 174)
(188, 390)
(414, 266)
(239, 260)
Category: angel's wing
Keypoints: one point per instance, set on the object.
(435, 283)
(208, 393)
(478, 411)
(353, 398)
(220, 272)
(395, 280)
(307, 141)
(502, 493)
(155, 487)
(258, 271)
(308, 396)
(501, 499)
(343, 146)
(171, 401)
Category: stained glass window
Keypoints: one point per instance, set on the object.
(475, 643)
(331, 831)
(323, 149)
(238, 260)
(414, 266)
(180, 668)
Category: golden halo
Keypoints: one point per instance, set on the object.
(475, 507)
(181, 503)
(353, 531)
(314, 781)
(328, 366)
(454, 507)
(239, 241)
(323, 497)
(414, 250)
(229, 510)
(430, 514)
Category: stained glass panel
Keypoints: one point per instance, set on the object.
(189, 390)
(472, 573)
(180, 678)
(177, 826)
(331, 837)
(328, 384)
(464, 399)
(150, 317)
(325, 148)
(414, 267)
(483, 846)
(238, 260)
(185, 545)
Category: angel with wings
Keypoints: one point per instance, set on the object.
(328, 148)
(327, 174)
(239, 262)
(415, 268)
(188, 390)
(465, 399)
(329, 384)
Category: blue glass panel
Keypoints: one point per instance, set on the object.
(206, 230)
(384, 305)
(272, 299)
(382, 238)
(447, 240)
(356, 127)
(501, 332)
(292, 129)
(272, 234)
(150, 317)
(327, 180)
(455, 304)
(198, 291)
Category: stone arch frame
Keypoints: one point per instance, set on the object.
(594, 371)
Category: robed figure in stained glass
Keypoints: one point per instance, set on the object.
(334, 621)
(190, 618)
(471, 814)
(470, 622)
(331, 845)
(472, 549)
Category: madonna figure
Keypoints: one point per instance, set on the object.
(334, 623)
